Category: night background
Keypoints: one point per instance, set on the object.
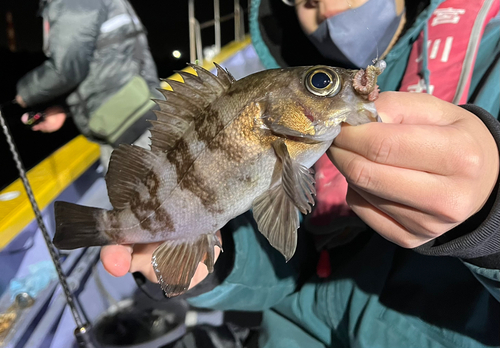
(167, 26)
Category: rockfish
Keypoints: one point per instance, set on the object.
(218, 148)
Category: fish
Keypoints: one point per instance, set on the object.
(220, 147)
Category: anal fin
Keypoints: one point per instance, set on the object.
(176, 262)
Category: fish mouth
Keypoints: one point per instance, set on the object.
(303, 139)
(370, 112)
(362, 113)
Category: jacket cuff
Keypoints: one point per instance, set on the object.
(476, 240)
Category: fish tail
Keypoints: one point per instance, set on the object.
(77, 226)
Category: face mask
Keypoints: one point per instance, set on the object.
(358, 36)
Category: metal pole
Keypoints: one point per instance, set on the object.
(237, 25)
(199, 47)
(81, 332)
(217, 26)
(192, 34)
(242, 23)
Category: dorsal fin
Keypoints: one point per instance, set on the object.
(184, 103)
(128, 166)
(210, 79)
(224, 75)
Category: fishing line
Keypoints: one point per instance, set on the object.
(81, 330)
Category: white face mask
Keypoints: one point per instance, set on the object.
(358, 36)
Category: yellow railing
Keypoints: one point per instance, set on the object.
(55, 173)
(227, 51)
(48, 179)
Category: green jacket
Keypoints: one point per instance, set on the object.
(378, 294)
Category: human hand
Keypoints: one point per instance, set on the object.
(429, 167)
(120, 259)
(54, 120)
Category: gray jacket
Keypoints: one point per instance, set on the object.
(90, 47)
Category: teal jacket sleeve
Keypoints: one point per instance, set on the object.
(490, 278)
(259, 278)
(74, 26)
(484, 88)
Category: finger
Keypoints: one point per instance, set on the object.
(45, 127)
(383, 224)
(42, 126)
(116, 259)
(24, 118)
(423, 225)
(418, 189)
(421, 147)
(202, 270)
(141, 260)
(415, 108)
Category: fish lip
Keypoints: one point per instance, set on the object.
(370, 110)
(303, 139)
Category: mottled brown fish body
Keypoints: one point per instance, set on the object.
(219, 148)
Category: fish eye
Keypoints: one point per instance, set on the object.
(322, 82)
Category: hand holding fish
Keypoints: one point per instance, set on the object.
(428, 168)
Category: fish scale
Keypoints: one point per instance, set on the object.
(220, 147)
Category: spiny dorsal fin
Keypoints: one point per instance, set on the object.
(224, 75)
(195, 82)
(210, 79)
(128, 166)
(184, 103)
(198, 95)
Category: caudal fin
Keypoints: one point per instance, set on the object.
(77, 227)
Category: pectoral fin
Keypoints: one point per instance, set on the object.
(276, 211)
(278, 220)
(176, 262)
(297, 180)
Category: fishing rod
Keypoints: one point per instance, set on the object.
(82, 331)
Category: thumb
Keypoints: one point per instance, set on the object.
(415, 108)
(116, 259)
(24, 118)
